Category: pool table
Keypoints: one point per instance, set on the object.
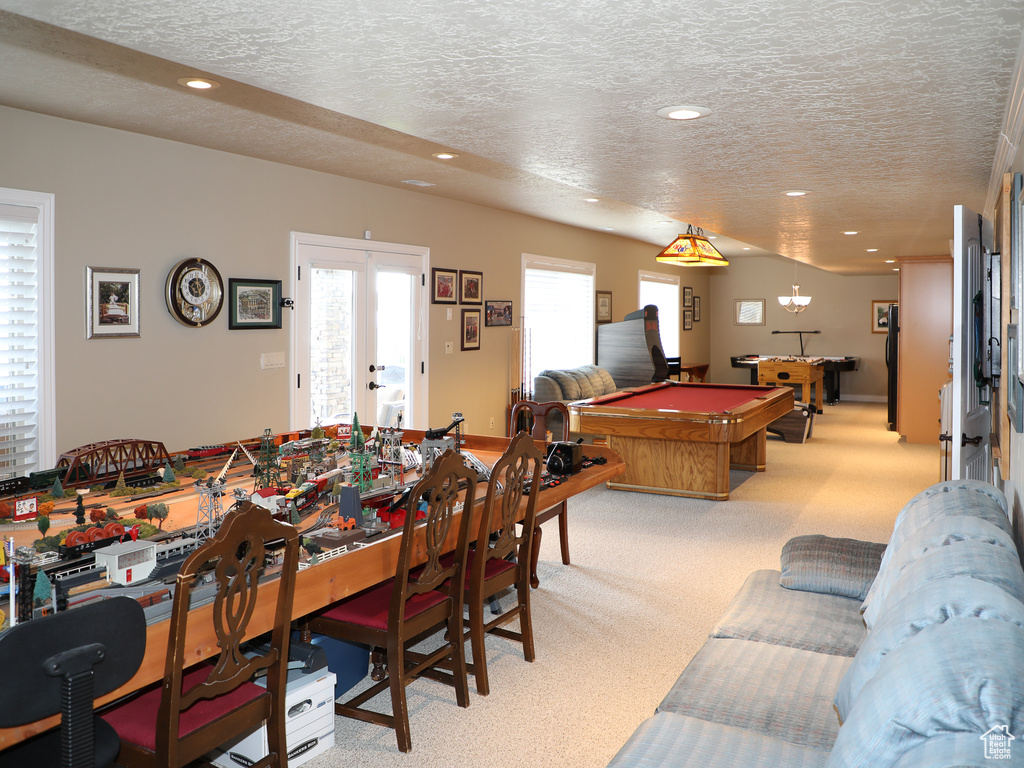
(682, 438)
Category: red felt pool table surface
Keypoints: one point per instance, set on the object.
(682, 438)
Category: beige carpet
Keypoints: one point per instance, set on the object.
(650, 575)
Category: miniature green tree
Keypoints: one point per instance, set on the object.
(293, 513)
(311, 547)
(41, 593)
(112, 514)
(317, 432)
(43, 524)
(159, 512)
(80, 510)
(168, 474)
(58, 490)
(122, 486)
(357, 440)
(336, 490)
(179, 463)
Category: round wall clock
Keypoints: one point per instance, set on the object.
(195, 292)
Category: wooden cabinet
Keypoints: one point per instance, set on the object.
(926, 322)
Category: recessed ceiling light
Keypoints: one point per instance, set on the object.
(746, 248)
(199, 83)
(850, 233)
(592, 199)
(796, 192)
(872, 250)
(417, 183)
(890, 261)
(712, 237)
(608, 229)
(445, 155)
(687, 112)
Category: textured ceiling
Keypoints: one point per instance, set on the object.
(888, 112)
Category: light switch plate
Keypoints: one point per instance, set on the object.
(270, 360)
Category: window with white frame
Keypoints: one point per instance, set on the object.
(663, 292)
(558, 314)
(27, 404)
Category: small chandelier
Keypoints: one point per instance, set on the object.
(692, 250)
(796, 302)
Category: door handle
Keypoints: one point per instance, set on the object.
(376, 368)
(964, 440)
(374, 385)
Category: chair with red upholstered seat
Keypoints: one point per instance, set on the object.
(202, 706)
(528, 416)
(418, 601)
(502, 560)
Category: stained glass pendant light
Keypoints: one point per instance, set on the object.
(692, 250)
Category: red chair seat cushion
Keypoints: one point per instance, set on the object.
(492, 568)
(135, 719)
(370, 609)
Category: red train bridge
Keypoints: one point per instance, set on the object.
(98, 462)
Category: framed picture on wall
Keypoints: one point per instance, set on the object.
(696, 309)
(748, 312)
(497, 313)
(880, 315)
(111, 303)
(253, 304)
(687, 296)
(471, 287)
(444, 286)
(470, 329)
(603, 306)
(687, 319)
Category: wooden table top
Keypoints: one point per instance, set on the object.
(325, 583)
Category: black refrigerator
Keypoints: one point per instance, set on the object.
(892, 361)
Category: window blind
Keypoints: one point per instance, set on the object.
(663, 292)
(558, 311)
(19, 341)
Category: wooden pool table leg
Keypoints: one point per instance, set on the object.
(752, 453)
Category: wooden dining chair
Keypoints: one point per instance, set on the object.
(533, 417)
(425, 596)
(500, 559)
(200, 706)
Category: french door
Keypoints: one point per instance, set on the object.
(359, 333)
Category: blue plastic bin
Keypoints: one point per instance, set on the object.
(350, 662)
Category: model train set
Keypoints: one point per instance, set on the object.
(342, 488)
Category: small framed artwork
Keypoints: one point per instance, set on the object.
(687, 319)
(880, 315)
(444, 286)
(497, 313)
(603, 306)
(471, 287)
(748, 312)
(253, 304)
(687, 296)
(470, 329)
(111, 303)
(696, 309)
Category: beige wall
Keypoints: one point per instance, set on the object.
(840, 308)
(126, 200)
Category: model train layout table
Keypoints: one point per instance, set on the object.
(682, 438)
(330, 580)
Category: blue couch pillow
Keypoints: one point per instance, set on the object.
(933, 602)
(929, 536)
(957, 676)
(829, 565)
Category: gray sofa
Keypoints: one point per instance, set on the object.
(571, 384)
(861, 655)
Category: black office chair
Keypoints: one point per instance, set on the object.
(58, 665)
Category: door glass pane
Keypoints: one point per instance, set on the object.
(394, 327)
(331, 347)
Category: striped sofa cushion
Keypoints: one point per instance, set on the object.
(833, 566)
(780, 692)
(766, 612)
(668, 740)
